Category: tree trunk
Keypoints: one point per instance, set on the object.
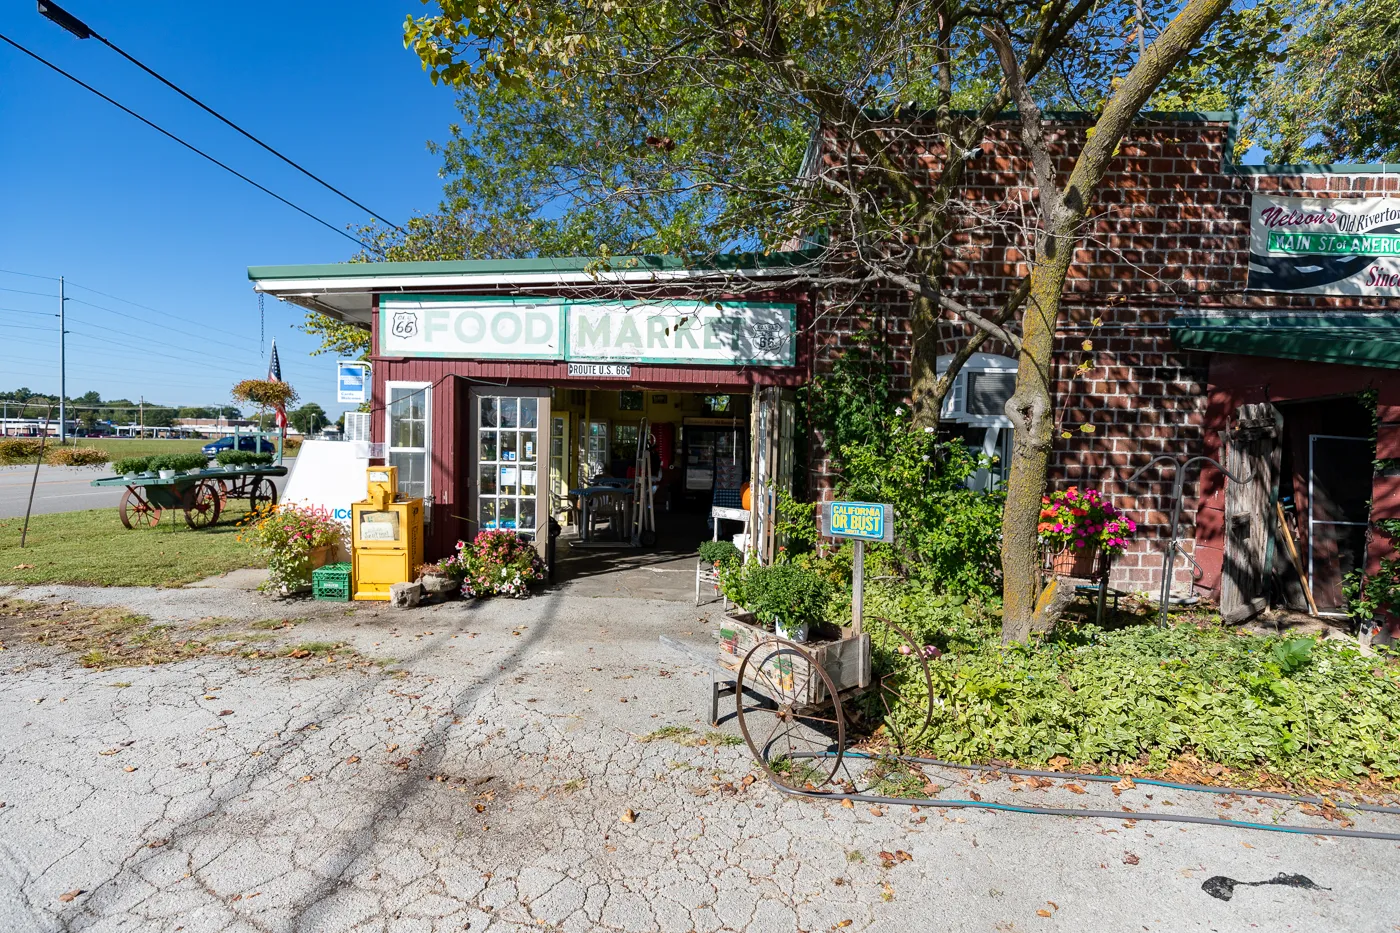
(1030, 407)
(1031, 410)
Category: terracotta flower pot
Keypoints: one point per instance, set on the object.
(1074, 562)
(320, 556)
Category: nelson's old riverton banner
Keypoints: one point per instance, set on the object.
(1325, 246)
(738, 333)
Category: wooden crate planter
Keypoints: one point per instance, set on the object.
(846, 660)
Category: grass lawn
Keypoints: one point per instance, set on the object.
(120, 447)
(93, 548)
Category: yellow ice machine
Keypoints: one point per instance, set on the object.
(387, 534)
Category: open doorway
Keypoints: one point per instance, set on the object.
(1325, 488)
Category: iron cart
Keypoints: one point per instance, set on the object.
(200, 494)
(795, 701)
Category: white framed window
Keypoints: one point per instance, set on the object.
(408, 435)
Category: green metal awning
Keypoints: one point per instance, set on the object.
(1344, 337)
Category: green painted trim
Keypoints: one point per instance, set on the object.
(727, 262)
(411, 297)
(1350, 339)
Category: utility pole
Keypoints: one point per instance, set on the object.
(62, 368)
(142, 411)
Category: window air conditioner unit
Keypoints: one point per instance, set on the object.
(357, 426)
(980, 390)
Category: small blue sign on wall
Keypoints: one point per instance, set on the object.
(861, 521)
(352, 382)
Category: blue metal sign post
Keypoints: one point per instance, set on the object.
(859, 522)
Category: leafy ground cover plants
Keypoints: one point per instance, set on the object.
(285, 536)
(1301, 711)
(498, 563)
(719, 552)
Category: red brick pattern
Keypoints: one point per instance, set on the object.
(1169, 233)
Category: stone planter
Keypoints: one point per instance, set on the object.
(438, 585)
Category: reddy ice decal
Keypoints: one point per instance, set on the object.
(1325, 246)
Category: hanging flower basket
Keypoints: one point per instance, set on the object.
(1075, 562)
(265, 392)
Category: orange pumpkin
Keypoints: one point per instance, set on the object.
(746, 496)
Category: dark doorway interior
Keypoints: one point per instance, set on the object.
(1326, 486)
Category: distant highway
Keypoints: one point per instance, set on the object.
(63, 489)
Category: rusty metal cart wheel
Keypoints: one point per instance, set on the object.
(202, 505)
(262, 494)
(902, 672)
(137, 510)
(791, 718)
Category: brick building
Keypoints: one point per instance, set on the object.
(1187, 333)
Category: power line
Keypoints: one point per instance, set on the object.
(26, 311)
(175, 317)
(164, 132)
(82, 30)
(31, 275)
(20, 291)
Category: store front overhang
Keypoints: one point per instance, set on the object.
(1354, 339)
(347, 291)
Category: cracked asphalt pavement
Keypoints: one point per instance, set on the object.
(498, 776)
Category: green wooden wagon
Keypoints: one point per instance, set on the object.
(201, 494)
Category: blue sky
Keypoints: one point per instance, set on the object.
(89, 193)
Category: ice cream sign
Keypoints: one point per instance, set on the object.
(715, 334)
(1325, 246)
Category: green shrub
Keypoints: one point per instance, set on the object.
(719, 552)
(76, 456)
(1298, 709)
(177, 462)
(943, 531)
(131, 465)
(784, 594)
(242, 458)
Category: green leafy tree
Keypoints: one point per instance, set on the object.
(616, 127)
(1335, 94)
(309, 418)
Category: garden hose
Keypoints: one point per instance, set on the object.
(1094, 814)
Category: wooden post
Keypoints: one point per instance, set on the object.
(858, 587)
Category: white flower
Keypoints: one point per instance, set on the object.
(928, 430)
(925, 458)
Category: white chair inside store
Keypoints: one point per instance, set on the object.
(709, 576)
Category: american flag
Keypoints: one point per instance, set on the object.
(274, 374)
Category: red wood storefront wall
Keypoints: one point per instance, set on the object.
(452, 380)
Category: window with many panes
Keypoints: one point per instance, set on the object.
(407, 435)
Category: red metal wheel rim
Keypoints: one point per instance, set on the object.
(788, 739)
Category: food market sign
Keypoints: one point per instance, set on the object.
(1325, 246)
(724, 334)
(861, 521)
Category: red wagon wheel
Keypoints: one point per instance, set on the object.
(902, 671)
(137, 511)
(263, 494)
(797, 743)
(202, 508)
